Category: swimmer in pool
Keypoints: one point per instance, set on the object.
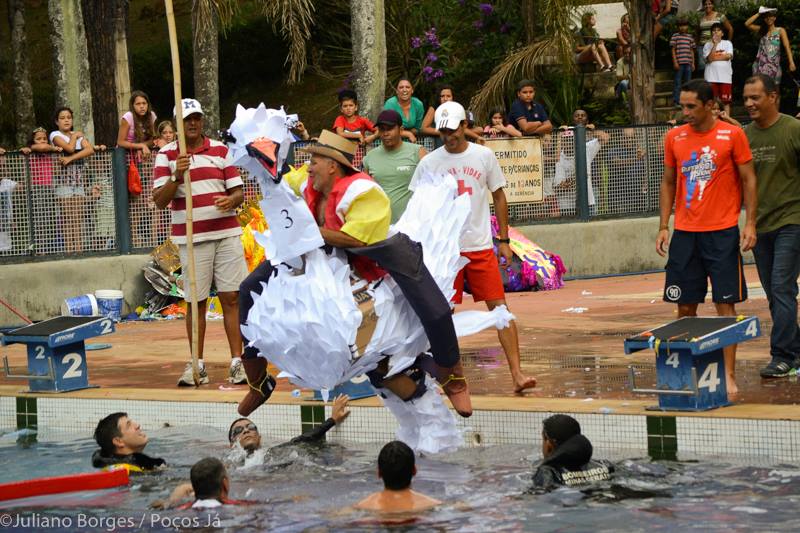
(245, 432)
(396, 467)
(209, 488)
(567, 456)
(122, 441)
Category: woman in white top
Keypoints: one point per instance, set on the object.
(70, 190)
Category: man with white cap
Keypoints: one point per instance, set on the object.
(218, 253)
(478, 174)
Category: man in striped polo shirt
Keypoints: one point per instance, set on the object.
(218, 255)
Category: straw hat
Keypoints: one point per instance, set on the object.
(335, 147)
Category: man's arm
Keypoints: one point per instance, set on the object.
(231, 200)
(666, 200)
(501, 211)
(529, 128)
(544, 128)
(339, 239)
(749, 192)
(339, 413)
(164, 194)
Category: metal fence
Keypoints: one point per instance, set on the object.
(49, 210)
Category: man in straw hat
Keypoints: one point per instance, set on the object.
(354, 214)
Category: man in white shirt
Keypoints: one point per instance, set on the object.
(478, 174)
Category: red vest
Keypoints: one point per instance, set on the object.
(366, 268)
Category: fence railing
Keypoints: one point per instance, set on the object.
(49, 211)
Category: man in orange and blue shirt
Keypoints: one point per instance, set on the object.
(708, 174)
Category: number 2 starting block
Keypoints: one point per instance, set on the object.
(56, 351)
(688, 348)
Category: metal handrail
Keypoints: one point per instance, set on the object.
(50, 376)
(694, 391)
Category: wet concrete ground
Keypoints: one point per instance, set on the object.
(572, 354)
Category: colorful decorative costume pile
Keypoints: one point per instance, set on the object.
(533, 267)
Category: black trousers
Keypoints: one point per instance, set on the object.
(402, 258)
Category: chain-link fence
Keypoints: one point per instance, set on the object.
(51, 208)
(54, 210)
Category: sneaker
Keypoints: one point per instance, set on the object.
(778, 368)
(237, 375)
(187, 378)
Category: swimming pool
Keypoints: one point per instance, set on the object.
(310, 489)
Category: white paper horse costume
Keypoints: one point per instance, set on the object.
(306, 323)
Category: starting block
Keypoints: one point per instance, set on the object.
(57, 352)
(690, 367)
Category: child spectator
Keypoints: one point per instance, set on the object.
(707, 19)
(137, 125)
(719, 71)
(349, 124)
(526, 115)
(718, 110)
(70, 184)
(590, 47)
(44, 212)
(682, 44)
(166, 133)
(137, 133)
(498, 127)
(623, 74)
(623, 36)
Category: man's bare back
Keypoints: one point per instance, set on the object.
(397, 501)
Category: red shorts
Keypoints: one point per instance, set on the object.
(483, 275)
(722, 91)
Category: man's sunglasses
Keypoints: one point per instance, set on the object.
(238, 430)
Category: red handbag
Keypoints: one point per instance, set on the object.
(134, 179)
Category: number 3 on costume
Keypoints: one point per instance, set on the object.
(292, 227)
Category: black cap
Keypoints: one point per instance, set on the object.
(389, 117)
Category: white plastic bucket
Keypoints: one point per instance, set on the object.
(83, 305)
(109, 303)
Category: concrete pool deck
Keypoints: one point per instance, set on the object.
(577, 357)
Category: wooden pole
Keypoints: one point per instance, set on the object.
(187, 187)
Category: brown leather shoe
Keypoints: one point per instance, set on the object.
(454, 385)
(260, 382)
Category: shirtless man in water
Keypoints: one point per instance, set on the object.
(396, 468)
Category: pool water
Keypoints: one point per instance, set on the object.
(308, 488)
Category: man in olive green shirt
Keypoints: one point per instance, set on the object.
(393, 162)
(775, 143)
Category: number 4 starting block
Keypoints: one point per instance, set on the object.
(56, 351)
(688, 348)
